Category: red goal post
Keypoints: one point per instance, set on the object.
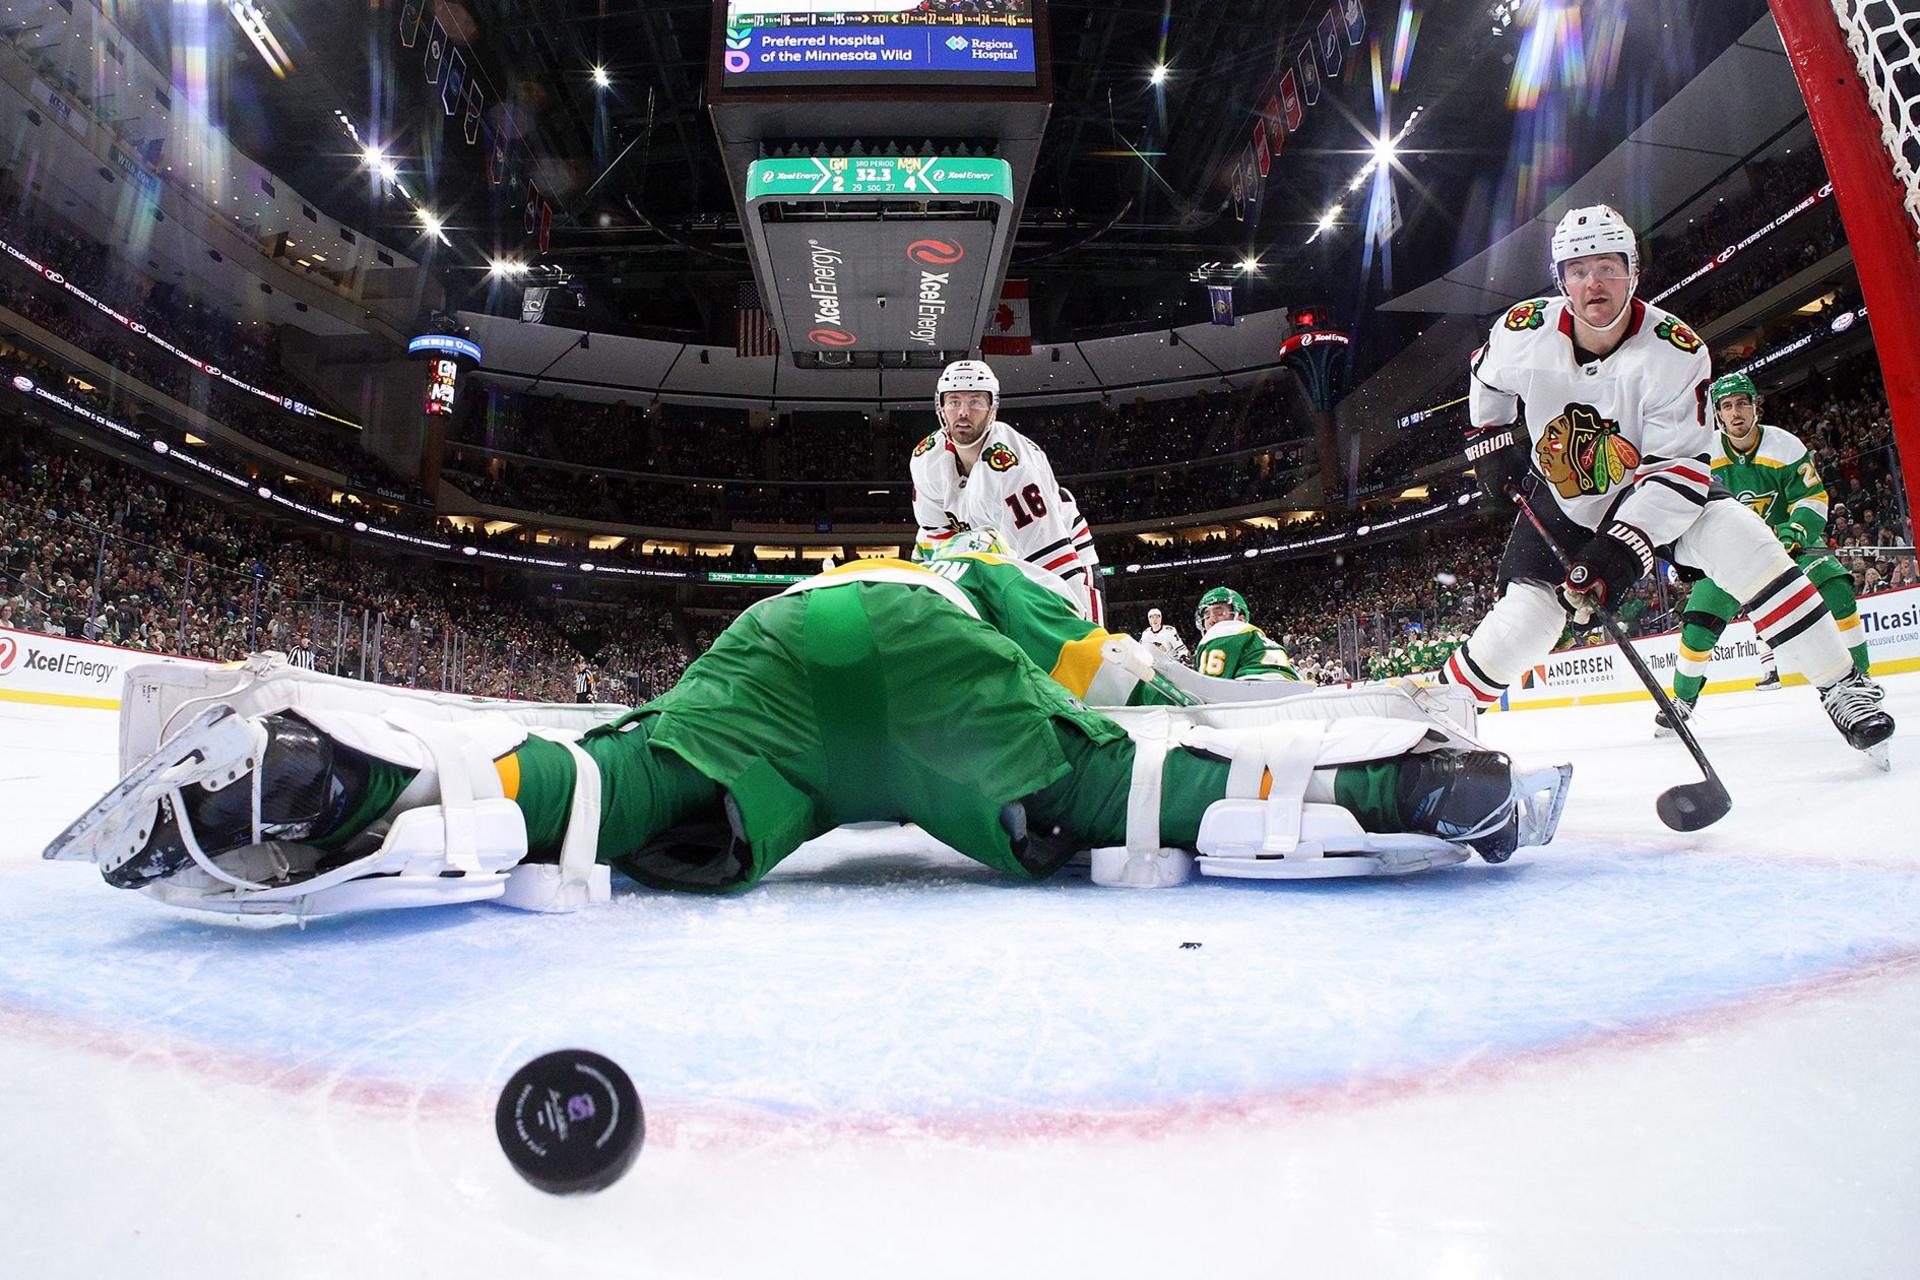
(1858, 64)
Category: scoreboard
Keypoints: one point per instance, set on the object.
(846, 43)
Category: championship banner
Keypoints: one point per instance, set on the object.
(1309, 76)
(1356, 20)
(1290, 94)
(456, 82)
(1276, 124)
(1262, 155)
(473, 106)
(410, 22)
(1010, 331)
(436, 51)
(1331, 50)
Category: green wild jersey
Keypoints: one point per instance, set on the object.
(1236, 650)
(1778, 480)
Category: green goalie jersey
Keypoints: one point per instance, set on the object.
(1778, 480)
(1031, 608)
(1236, 650)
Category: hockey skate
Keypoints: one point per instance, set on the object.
(223, 782)
(1853, 704)
(1476, 798)
(265, 813)
(1663, 727)
(1770, 681)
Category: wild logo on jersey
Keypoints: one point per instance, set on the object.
(925, 445)
(1671, 330)
(1584, 453)
(1528, 315)
(1762, 503)
(1000, 458)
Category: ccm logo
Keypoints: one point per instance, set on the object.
(936, 253)
(832, 337)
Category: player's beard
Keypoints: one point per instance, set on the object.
(965, 435)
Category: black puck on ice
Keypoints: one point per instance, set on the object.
(570, 1122)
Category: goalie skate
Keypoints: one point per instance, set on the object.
(215, 749)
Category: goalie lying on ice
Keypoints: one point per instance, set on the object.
(880, 691)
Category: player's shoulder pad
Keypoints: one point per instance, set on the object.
(1000, 456)
(1669, 330)
(1777, 444)
(1528, 316)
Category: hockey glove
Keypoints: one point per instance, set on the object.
(1792, 537)
(1605, 569)
(1500, 462)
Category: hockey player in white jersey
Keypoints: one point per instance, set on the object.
(1598, 402)
(1164, 638)
(977, 472)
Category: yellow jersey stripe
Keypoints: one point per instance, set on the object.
(1080, 661)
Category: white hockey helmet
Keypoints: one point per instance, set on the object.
(965, 375)
(1598, 228)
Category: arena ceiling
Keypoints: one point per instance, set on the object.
(1132, 190)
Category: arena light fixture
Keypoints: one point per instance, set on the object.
(432, 225)
(1158, 76)
(501, 268)
(601, 80)
(1250, 264)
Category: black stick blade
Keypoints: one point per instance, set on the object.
(1693, 805)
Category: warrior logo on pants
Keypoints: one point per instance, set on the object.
(1582, 452)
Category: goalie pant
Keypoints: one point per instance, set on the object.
(863, 701)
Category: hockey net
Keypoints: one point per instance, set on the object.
(1884, 38)
(1858, 66)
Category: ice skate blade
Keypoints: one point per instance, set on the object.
(206, 751)
(1880, 755)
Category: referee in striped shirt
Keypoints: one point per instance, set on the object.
(582, 683)
(302, 655)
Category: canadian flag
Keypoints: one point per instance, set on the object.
(1010, 327)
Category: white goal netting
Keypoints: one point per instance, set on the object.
(1884, 36)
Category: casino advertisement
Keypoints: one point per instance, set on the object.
(851, 42)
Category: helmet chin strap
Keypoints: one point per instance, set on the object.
(1633, 287)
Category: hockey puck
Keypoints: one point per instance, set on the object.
(570, 1122)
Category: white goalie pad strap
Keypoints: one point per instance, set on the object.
(1151, 739)
(408, 870)
(1244, 824)
(579, 879)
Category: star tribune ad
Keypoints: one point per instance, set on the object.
(842, 42)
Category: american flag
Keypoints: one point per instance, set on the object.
(752, 335)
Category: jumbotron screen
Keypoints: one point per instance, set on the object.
(842, 43)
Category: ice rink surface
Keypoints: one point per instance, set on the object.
(1632, 1053)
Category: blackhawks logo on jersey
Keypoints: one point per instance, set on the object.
(1583, 453)
(1000, 458)
(1671, 330)
(1528, 315)
(925, 445)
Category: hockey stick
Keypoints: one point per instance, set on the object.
(1691, 805)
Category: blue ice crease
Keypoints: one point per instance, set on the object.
(882, 987)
